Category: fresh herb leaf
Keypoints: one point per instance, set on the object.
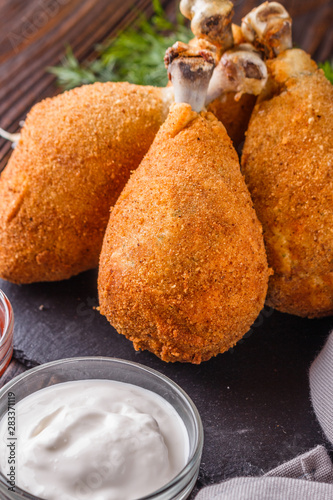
(71, 74)
(327, 66)
(136, 55)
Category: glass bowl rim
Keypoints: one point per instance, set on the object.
(8, 318)
(193, 459)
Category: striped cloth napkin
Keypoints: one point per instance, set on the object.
(306, 477)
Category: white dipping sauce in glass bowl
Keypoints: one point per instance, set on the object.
(96, 439)
(98, 429)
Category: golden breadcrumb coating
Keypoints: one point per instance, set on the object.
(74, 157)
(288, 166)
(235, 115)
(183, 270)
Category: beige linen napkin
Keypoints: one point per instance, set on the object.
(306, 477)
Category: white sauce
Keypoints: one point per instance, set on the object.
(96, 440)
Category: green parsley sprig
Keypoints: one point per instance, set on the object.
(136, 55)
(327, 66)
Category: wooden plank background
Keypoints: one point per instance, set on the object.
(34, 34)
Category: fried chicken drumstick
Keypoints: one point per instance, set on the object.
(74, 156)
(183, 270)
(288, 166)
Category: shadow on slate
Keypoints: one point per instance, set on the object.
(253, 400)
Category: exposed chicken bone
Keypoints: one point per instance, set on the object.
(190, 71)
(210, 19)
(240, 70)
(14, 138)
(269, 27)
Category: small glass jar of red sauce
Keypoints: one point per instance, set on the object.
(6, 332)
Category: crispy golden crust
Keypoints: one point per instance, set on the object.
(183, 270)
(235, 115)
(74, 157)
(288, 166)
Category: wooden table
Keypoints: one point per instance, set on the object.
(33, 36)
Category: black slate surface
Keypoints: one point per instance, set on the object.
(253, 400)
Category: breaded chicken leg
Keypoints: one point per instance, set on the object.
(74, 156)
(183, 270)
(288, 166)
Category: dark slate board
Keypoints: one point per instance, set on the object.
(253, 400)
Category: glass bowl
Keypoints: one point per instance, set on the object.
(87, 368)
(6, 332)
